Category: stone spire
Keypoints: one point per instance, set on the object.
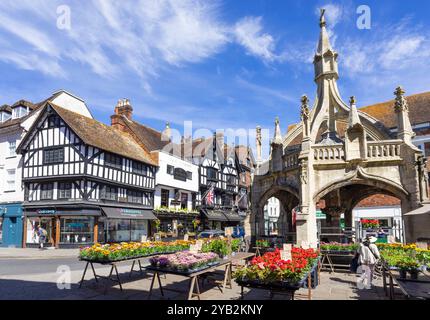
(354, 119)
(325, 60)
(258, 143)
(404, 128)
(166, 135)
(277, 139)
(304, 115)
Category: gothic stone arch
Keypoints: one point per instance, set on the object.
(335, 146)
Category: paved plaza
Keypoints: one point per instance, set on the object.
(33, 274)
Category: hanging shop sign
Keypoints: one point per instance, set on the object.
(320, 215)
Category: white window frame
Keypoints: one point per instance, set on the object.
(11, 179)
(12, 152)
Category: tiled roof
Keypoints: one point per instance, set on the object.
(102, 136)
(419, 110)
(6, 108)
(149, 137)
(24, 103)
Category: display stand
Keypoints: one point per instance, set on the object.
(194, 288)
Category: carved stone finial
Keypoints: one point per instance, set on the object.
(400, 102)
(352, 101)
(305, 107)
(322, 18)
(276, 120)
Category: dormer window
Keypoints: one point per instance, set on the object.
(19, 112)
(4, 116)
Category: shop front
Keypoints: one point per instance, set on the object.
(64, 227)
(126, 224)
(214, 219)
(234, 219)
(11, 225)
(11, 221)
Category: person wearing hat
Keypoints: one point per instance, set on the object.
(368, 255)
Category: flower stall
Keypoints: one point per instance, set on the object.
(107, 253)
(111, 254)
(184, 262)
(271, 273)
(405, 258)
(400, 260)
(337, 255)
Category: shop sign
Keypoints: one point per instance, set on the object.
(320, 214)
(130, 211)
(180, 174)
(46, 211)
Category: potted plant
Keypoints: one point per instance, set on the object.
(370, 224)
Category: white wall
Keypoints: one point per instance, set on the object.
(163, 180)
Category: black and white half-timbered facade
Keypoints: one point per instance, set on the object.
(218, 177)
(84, 182)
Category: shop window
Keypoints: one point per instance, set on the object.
(118, 230)
(109, 193)
(46, 191)
(165, 198)
(53, 156)
(184, 200)
(32, 225)
(77, 230)
(64, 190)
(139, 168)
(139, 228)
(134, 196)
(113, 161)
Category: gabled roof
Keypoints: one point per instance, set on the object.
(243, 153)
(419, 110)
(99, 135)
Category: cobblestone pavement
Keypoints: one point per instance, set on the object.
(43, 285)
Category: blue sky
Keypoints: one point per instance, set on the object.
(222, 64)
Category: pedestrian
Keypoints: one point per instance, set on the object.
(368, 257)
(42, 233)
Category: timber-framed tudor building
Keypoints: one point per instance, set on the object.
(84, 182)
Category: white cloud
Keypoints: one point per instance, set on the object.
(112, 38)
(249, 33)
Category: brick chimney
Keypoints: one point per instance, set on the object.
(123, 108)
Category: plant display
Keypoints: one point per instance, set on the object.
(163, 209)
(184, 261)
(127, 250)
(270, 268)
(335, 246)
(370, 223)
(404, 257)
(263, 243)
(221, 247)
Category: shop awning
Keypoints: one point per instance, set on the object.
(50, 212)
(425, 209)
(215, 215)
(233, 216)
(127, 213)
